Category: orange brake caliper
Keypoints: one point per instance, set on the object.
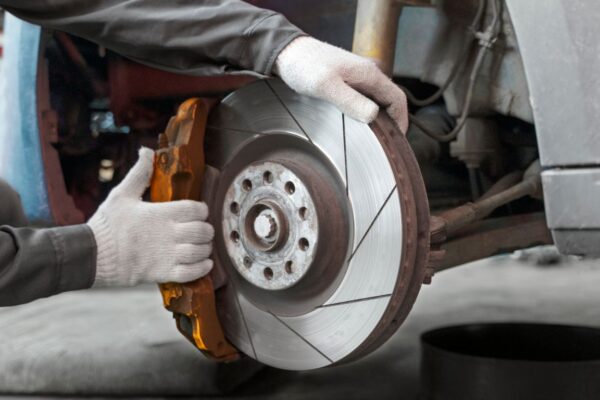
(179, 167)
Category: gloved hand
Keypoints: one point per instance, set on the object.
(353, 83)
(149, 242)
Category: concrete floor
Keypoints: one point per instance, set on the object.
(120, 342)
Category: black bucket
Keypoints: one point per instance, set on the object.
(510, 361)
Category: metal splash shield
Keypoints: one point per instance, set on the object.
(322, 227)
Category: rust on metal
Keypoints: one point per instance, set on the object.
(376, 28)
(456, 219)
(179, 167)
(461, 234)
(129, 90)
(494, 236)
(63, 208)
(375, 32)
(416, 231)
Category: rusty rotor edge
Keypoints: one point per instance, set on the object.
(415, 211)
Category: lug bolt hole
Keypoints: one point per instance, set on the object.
(247, 262)
(234, 208)
(235, 236)
(303, 244)
(247, 185)
(290, 187)
(303, 212)
(268, 272)
(268, 177)
(289, 267)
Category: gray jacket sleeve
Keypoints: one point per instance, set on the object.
(37, 263)
(200, 37)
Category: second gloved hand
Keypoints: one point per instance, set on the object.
(141, 242)
(353, 83)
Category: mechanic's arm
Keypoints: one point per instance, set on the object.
(126, 242)
(203, 37)
(37, 263)
(209, 37)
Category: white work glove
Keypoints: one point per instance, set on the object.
(353, 83)
(149, 242)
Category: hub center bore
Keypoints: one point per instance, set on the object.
(266, 226)
(270, 226)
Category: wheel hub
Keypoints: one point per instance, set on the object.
(270, 226)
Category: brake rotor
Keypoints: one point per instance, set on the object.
(321, 227)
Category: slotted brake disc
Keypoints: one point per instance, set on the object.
(321, 227)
